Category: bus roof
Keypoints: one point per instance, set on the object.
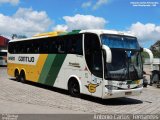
(60, 33)
(49, 34)
(106, 32)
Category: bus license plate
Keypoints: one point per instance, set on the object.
(128, 93)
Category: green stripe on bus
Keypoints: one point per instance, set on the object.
(55, 68)
(70, 33)
(46, 68)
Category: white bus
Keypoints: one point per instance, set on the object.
(100, 63)
(3, 57)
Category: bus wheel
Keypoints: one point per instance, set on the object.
(22, 77)
(73, 88)
(155, 78)
(17, 75)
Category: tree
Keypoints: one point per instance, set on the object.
(18, 36)
(156, 53)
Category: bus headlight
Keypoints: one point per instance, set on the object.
(110, 87)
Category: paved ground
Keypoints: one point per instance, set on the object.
(16, 97)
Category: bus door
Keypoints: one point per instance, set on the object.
(93, 57)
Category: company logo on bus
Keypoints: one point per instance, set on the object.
(92, 87)
(25, 59)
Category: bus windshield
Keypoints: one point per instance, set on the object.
(126, 58)
(117, 41)
(126, 65)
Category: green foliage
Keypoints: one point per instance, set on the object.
(18, 36)
(156, 53)
(145, 55)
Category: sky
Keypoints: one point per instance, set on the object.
(29, 17)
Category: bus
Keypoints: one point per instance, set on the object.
(100, 63)
(3, 57)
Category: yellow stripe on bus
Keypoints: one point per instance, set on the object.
(32, 72)
(40, 63)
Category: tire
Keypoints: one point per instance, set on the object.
(145, 85)
(22, 77)
(17, 76)
(155, 78)
(145, 82)
(74, 88)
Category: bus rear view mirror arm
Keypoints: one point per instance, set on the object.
(149, 53)
(108, 53)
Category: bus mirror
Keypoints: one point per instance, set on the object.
(108, 53)
(150, 54)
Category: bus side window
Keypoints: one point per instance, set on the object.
(35, 45)
(43, 47)
(74, 44)
(74, 50)
(72, 47)
(36, 48)
(31, 48)
(14, 49)
(52, 47)
(11, 48)
(61, 46)
(22, 47)
(68, 43)
(19, 48)
(79, 45)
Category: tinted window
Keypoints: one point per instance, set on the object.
(93, 54)
(117, 41)
(3, 53)
(67, 44)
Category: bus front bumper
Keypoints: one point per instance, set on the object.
(121, 93)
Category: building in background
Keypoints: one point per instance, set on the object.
(3, 42)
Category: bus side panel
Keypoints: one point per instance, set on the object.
(51, 68)
(38, 68)
(10, 69)
(32, 72)
(73, 66)
(54, 70)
